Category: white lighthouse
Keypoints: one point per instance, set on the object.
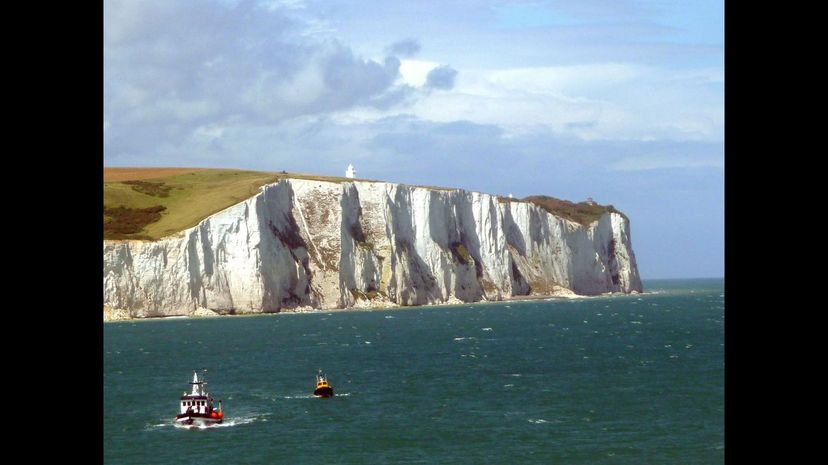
(350, 172)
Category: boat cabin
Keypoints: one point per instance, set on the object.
(197, 401)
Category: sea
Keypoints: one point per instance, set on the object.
(626, 379)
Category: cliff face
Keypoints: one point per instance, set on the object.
(302, 243)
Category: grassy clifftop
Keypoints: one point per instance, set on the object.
(150, 203)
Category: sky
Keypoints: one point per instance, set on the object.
(618, 100)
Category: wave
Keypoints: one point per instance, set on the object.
(540, 421)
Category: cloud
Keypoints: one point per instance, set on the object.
(415, 72)
(441, 77)
(602, 101)
(405, 48)
(171, 68)
(272, 5)
(667, 161)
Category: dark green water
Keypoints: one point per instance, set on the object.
(615, 380)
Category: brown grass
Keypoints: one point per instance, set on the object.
(582, 212)
(137, 174)
(124, 223)
(155, 189)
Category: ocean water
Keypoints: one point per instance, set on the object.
(601, 380)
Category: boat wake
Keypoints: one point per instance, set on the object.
(311, 396)
(540, 421)
(158, 426)
(303, 396)
(227, 423)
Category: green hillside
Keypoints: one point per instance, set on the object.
(147, 203)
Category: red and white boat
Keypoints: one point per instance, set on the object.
(197, 406)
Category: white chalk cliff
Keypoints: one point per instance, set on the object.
(302, 244)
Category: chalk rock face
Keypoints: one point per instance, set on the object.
(301, 244)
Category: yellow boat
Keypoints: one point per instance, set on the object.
(323, 389)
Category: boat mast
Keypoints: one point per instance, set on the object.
(197, 385)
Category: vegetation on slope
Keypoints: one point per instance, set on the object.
(127, 223)
(142, 205)
(582, 212)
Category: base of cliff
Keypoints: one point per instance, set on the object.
(115, 314)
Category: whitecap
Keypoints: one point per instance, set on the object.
(486, 329)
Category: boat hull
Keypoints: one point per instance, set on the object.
(196, 420)
(324, 392)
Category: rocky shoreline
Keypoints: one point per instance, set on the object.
(114, 315)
